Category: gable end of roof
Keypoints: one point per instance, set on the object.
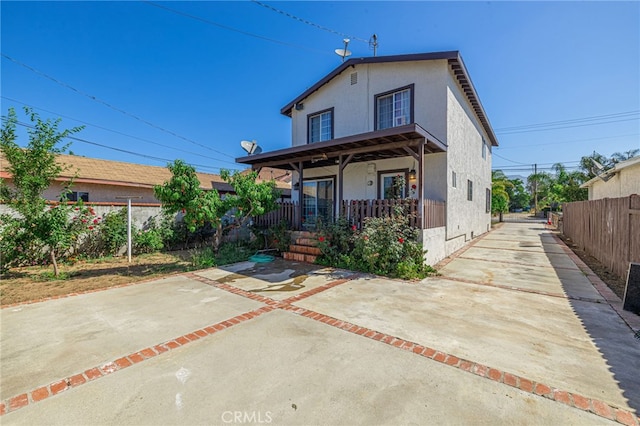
(455, 64)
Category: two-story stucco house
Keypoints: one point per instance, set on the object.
(373, 119)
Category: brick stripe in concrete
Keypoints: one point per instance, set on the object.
(513, 262)
(16, 402)
(597, 407)
(523, 290)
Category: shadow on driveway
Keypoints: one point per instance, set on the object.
(609, 334)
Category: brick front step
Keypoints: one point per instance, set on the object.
(302, 234)
(311, 242)
(304, 249)
(299, 257)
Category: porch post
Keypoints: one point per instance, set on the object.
(340, 187)
(342, 163)
(300, 193)
(421, 219)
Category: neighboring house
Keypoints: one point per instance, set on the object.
(373, 119)
(101, 182)
(621, 180)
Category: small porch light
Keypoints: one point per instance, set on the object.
(412, 174)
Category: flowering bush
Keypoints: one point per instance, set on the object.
(385, 246)
(59, 229)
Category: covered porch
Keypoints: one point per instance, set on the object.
(409, 142)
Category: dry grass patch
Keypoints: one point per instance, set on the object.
(35, 283)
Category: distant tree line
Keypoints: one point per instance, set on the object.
(551, 189)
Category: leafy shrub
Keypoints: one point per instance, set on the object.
(147, 240)
(61, 229)
(275, 237)
(233, 252)
(385, 246)
(205, 258)
(112, 232)
(17, 248)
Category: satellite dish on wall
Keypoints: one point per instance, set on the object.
(251, 147)
(343, 53)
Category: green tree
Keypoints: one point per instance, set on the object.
(616, 157)
(250, 198)
(567, 185)
(33, 169)
(499, 194)
(519, 197)
(182, 193)
(590, 164)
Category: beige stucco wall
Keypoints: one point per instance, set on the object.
(439, 107)
(104, 193)
(622, 184)
(354, 104)
(464, 157)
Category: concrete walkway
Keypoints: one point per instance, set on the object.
(511, 332)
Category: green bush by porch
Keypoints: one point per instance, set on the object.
(384, 246)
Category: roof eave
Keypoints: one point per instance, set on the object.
(452, 56)
(286, 110)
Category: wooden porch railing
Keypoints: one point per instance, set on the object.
(288, 211)
(355, 211)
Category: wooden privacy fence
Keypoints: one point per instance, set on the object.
(607, 229)
(355, 211)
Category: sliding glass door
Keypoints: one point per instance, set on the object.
(317, 202)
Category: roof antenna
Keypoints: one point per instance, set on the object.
(373, 44)
(344, 52)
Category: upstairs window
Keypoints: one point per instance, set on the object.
(320, 126)
(484, 149)
(394, 108)
(469, 190)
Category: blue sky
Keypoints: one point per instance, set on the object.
(192, 88)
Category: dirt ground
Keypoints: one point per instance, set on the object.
(614, 282)
(34, 283)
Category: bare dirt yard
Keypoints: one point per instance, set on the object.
(35, 283)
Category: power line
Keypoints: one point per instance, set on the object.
(118, 132)
(150, 157)
(572, 141)
(226, 27)
(548, 127)
(305, 21)
(500, 156)
(549, 123)
(93, 98)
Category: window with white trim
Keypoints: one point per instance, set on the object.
(320, 126)
(394, 108)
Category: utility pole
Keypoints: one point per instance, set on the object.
(535, 188)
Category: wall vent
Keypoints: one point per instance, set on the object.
(354, 78)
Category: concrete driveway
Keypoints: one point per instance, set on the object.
(512, 332)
